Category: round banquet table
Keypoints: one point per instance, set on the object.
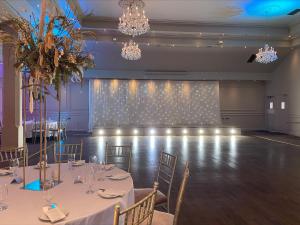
(25, 206)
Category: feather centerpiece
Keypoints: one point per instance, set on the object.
(55, 58)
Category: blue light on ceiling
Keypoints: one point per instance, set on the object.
(271, 8)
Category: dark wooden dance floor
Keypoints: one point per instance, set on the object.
(239, 180)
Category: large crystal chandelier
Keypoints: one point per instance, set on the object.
(131, 51)
(266, 55)
(133, 22)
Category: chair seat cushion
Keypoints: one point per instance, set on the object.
(140, 193)
(162, 218)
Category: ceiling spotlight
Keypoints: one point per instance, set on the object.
(101, 132)
(118, 132)
(135, 131)
(217, 131)
(233, 131)
(152, 131)
(168, 131)
(184, 131)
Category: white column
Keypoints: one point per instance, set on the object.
(12, 100)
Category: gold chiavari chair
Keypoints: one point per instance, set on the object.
(140, 213)
(162, 218)
(67, 150)
(120, 155)
(165, 175)
(10, 153)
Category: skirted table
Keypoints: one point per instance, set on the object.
(25, 206)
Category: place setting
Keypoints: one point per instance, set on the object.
(51, 211)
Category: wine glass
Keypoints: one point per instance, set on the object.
(14, 165)
(3, 197)
(93, 159)
(47, 193)
(101, 171)
(89, 181)
(71, 160)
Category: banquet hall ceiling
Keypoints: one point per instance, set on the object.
(206, 35)
(273, 12)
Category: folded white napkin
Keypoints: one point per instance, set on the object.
(41, 164)
(119, 176)
(109, 166)
(78, 163)
(54, 214)
(110, 194)
(5, 172)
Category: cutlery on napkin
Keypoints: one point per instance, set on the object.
(109, 194)
(120, 176)
(109, 166)
(54, 214)
(5, 172)
(78, 163)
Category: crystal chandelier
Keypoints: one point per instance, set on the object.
(266, 55)
(133, 22)
(131, 51)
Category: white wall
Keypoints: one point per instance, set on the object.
(285, 86)
(74, 105)
(243, 104)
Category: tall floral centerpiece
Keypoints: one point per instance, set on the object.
(48, 53)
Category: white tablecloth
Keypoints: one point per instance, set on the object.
(30, 124)
(24, 207)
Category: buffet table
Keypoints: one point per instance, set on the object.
(25, 207)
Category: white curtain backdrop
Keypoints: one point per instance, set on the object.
(160, 103)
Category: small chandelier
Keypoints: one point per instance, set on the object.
(133, 22)
(131, 51)
(266, 55)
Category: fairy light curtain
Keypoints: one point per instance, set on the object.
(144, 103)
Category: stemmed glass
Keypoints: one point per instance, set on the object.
(14, 165)
(91, 173)
(71, 160)
(3, 197)
(47, 193)
(101, 171)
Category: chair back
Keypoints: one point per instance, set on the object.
(140, 213)
(120, 155)
(66, 150)
(186, 175)
(165, 174)
(10, 153)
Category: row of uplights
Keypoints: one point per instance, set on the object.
(168, 131)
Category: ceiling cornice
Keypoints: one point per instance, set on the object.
(193, 34)
(163, 75)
